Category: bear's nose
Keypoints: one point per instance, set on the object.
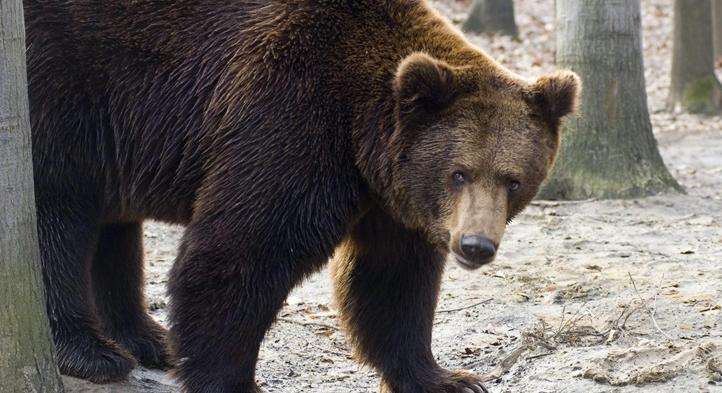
(479, 249)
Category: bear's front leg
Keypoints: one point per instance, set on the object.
(387, 281)
(117, 272)
(226, 289)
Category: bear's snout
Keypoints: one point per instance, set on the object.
(476, 251)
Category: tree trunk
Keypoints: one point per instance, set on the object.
(495, 16)
(717, 29)
(608, 149)
(27, 361)
(694, 87)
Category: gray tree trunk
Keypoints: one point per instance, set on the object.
(717, 29)
(494, 16)
(608, 149)
(694, 86)
(27, 362)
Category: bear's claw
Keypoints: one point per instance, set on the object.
(150, 351)
(449, 382)
(94, 359)
(461, 382)
(147, 346)
(476, 388)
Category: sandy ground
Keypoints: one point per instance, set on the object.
(592, 296)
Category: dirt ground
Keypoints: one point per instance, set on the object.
(592, 296)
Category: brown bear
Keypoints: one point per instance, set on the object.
(278, 132)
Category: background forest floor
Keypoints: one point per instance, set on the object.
(592, 296)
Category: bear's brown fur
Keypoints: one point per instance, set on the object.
(276, 131)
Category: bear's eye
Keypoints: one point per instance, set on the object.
(459, 178)
(513, 185)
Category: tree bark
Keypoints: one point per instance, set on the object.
(717, 29)
(608, 149)
(27, 362)
(694, 86)
(494, 16)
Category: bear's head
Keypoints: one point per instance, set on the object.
(470, 148)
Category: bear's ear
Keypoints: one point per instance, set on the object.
(423, 86)
(555, 95)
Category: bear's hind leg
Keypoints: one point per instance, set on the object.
(68, 234)
(118, 287)
(387, 280)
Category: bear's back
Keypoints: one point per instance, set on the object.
(136, 100)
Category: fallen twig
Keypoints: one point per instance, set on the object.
(540, 355)
(548, 203)
(649, 311)
(304, 323)
(505, 364)
(464, 307)
(571, 332)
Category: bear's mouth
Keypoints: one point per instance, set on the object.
(465, 264)
(468, 265)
